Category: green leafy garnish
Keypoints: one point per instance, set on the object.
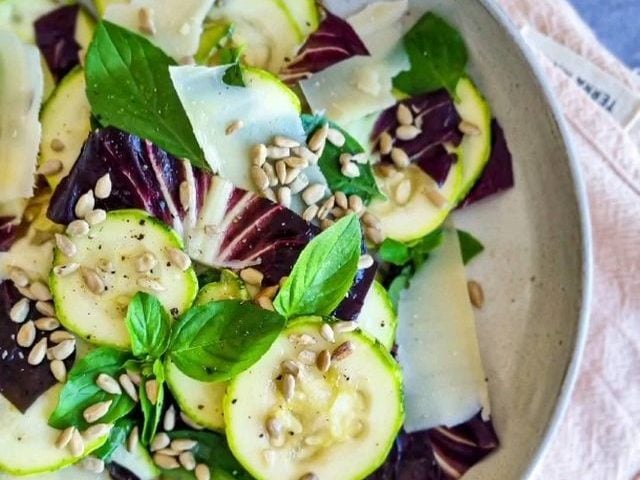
(118, 436)
(80, 391)
(129, 87)
(438, 57)
(469, 245)
(233, 74)
(149, 326)
(218, 340)
(364, 185)
(324, 271)
(151, 412)
(215, 35)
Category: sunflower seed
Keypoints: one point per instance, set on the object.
(344, 327)
(365, 261)
(468, 128)
(103, 187)
(168, 451)
(165, 461)
(169, 421)
(92, 280)
(251, 276)
(65, 245)
(47, 324)
(108, 384)
(309, 476)
(26, 335)
(290, 367)
(58, 370)
(96, 411)
(65, 437)
(274, 427)
(93, 464)
(95, 217)
(45, 308)
(269, 292)
(300, 183)
(404, 115)
(271, 174)
(66, 270)
(310, 213)
(296, 162)
(184, 194)
(18, 276)
(178, 258)
(307, 357)
(374, 235)
(202, 472)
(145, 21)
(135, 377)
(133, 439)
(326, 208)
(326, 223)
(151, 389)
(265, 303)
(319, 138)
(20, 310)
(187, 460)
(435, 197)
(38, 352)
(281, 141)
(76, 444)
(63, 350)
(288, 386)
(306, 154)
(407, 132)
(145, 262)
(370, 220)
(281, 171)
(258, 154)
(292, 174)
(338, 212)
(355, 203)
(345, 158)
(96, 431)
(234, 127)
(85, 204)
(343, 351)
(361, 158)
(350, 170)
(278, 153)
(341, 200)
(40, 291)
(313, 193)
(259, 178)
(150, 284)
(128, 386)
(78, 228)
(323, 361)
(336, 137)
(385, 143)
(399, 158)
(268, 193)
(403, 192)
(284, 196)
(60, 336)
(476, 294)
(326, 332)
(57, 145)
(190, 422)
(183, 444)
(160, 441)
(50, 167)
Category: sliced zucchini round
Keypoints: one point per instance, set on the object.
(339, 425)
(28, 442)
(230, 287)
(65, 118)
(111, 249)
(378, 317)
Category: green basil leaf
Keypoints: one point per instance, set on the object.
(394, 252)
(80, 391)
(129, 87)
(117, 437)
(212, 450)
(324, 271)
(149, 325)
(365, 185)
(469, 245)
(218, 340)
(152, 413)
(420, 250)
(233, 75)
(437, 54)
(398, 284)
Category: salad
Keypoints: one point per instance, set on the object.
(228, 248)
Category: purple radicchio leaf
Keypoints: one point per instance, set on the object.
(436, 116)
(9, 232)
(21, 383)
(56, 39)
(350, 307)
(498, 174)
(335, 40)
(439, 453)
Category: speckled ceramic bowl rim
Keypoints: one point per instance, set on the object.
(573, 368)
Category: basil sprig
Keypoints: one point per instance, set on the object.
(149, 326)
(129, 87)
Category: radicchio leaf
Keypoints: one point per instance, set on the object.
(20, 383)
(439, 453)
(498, 174)
(56, 39)
(9, 228)
(335, 40)
(435, 114)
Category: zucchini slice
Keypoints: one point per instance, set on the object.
(339, 425)
(378, 317)
(111, 249)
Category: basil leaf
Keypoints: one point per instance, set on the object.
(364, 185)
(129, 87)
(232, 75)
(216, 341)
(394, 252)
(212, 450)
(151, 412)
(149, 325)
(118, 436)
(420, 250)
(469, 245)
(324, 271)
(437, 54)
(80, 391)
(398, 284)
